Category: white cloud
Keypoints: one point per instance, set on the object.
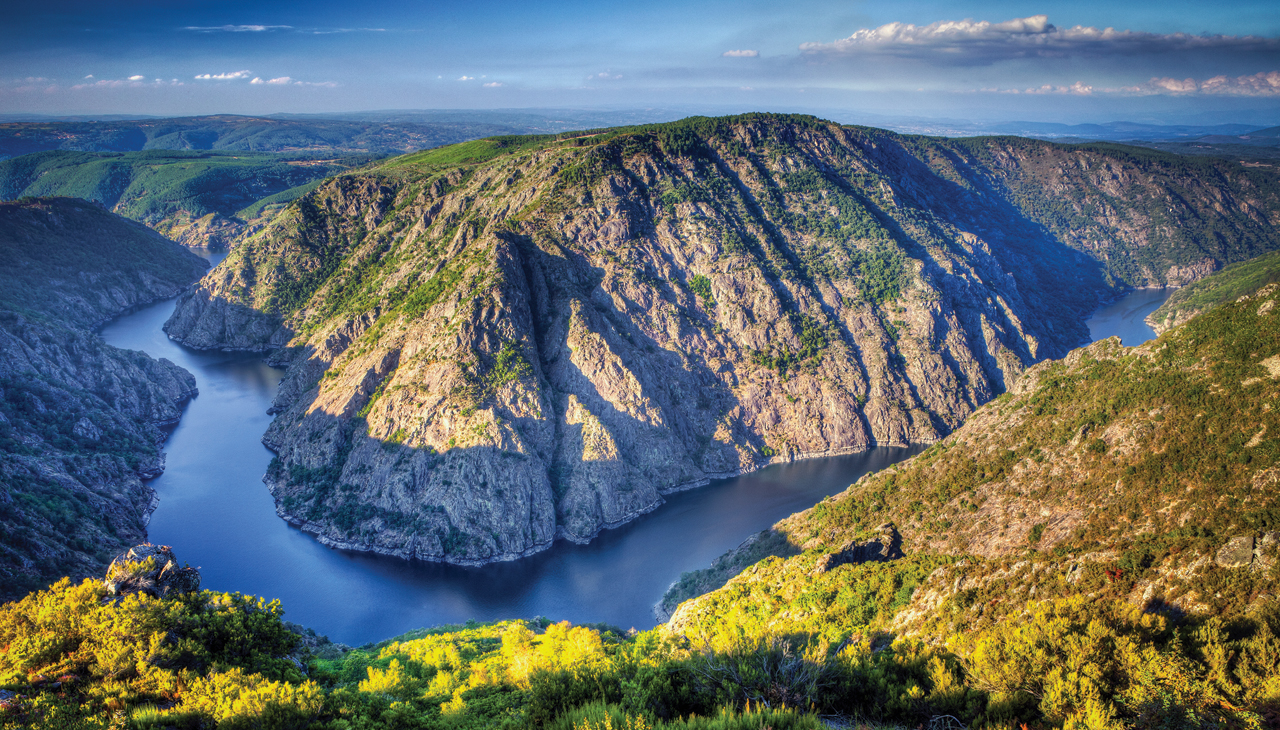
(740, 54)
(1079, 88)
(604, 75)
(133, 82)
(466, 78)
(228, 76)
(89, 76)
(494, 84)
(969, 42)
(1259, 84)
(1175, 86)
(326, 31)
(288, 81)
(236, 28)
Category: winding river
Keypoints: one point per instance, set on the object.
(217, 514)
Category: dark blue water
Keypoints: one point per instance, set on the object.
(1125, 317)
(217, 514)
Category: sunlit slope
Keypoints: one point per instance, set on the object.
(1143, 475)
(519, 338)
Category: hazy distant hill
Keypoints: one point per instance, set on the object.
(168, 190)
(379, 133)
(249, 134)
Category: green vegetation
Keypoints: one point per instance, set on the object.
(223, 660)
(167, 188)
(276, 201)
(1224, 286)
(51, 240)
(813, 340)
(482, 380)
(701, 286)
(467, 153)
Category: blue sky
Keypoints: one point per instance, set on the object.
(1044, 61)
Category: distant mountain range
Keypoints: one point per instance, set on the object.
(397, 131)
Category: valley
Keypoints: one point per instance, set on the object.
(80, 421)
(494, 372)
(640, 366)
(516, 340)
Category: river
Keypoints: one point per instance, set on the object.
(217, 514)
(1127, 316)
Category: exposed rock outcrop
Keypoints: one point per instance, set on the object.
(150, 569)
(1190, 273)
(886, 546)
(542, 342)
(211, 231)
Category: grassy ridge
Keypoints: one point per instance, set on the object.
(155, 187)
(1232, 282)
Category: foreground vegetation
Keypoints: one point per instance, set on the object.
(77, 659)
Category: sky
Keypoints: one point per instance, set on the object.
(1171, 61)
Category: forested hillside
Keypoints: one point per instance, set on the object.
(186, 196)
(79, 420)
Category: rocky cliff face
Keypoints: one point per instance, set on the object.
(79, 420)
(513, 340)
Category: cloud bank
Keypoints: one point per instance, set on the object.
(975, 43)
